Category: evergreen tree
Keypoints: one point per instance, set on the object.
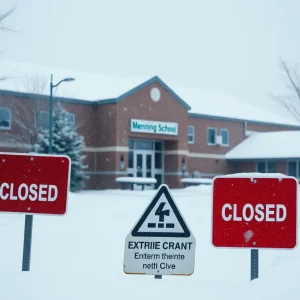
(65, 141)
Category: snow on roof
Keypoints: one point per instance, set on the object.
(92, 86)
(217, 104)
(268, 145)
(87, 85)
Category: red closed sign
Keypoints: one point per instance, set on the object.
(34, 184)
(254, 212)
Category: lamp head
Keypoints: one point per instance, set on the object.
(68, 79)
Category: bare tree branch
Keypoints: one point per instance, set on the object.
(292, 76)
(292, 109)
(35, 84)
(27, 115)
(17, 142)
(4, 16)
(292, 79)
(290, 103)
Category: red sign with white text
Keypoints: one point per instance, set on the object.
(34, 184)
(259, 212)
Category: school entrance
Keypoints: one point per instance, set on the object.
(145, 159)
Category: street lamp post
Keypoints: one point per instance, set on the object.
(52, 86)
(29, 218)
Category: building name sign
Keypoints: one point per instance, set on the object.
(154, 127)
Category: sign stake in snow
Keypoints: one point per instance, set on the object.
(33, 184)
(161, 242)
(27, 242)
(254, 264)
(255, 211)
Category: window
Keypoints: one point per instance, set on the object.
(211, 136)
(191, 134)
(71, 118)
(266, 167)
(294, 169)
(158, 160)
(158, 146)
(261, 167)
(5, 118)
(225, 137)
(158, 156)
(130, 144)
(130, 159)
(44, 120)
(143, 145)
(245, 128)
(271, 167)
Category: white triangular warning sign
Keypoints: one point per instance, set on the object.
(160, 243)
(161, 218)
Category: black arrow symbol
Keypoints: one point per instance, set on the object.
(162, 213)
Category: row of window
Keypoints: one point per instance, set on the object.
(5, 123)
(5, 119)
(212, 136)
(293, 167)
(266, 167)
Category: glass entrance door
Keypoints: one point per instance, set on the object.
(143, 164)
(146, 159)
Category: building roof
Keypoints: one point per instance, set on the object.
(87, 85)
(207, 104)
(103, 89)
(267, 145)
(154, 79)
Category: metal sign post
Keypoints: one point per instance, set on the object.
(254, 264)
(27, 242)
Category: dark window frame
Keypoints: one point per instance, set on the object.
(9, 121)
(297, 162)
(191, 134)
(209, 129)
(227, 131)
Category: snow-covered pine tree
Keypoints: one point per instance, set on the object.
(65, 141)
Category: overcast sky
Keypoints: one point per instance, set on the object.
(230, 46)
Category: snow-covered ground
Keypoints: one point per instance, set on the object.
(80, 255)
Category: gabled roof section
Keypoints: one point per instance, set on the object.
(132, 91)
(154, 79)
